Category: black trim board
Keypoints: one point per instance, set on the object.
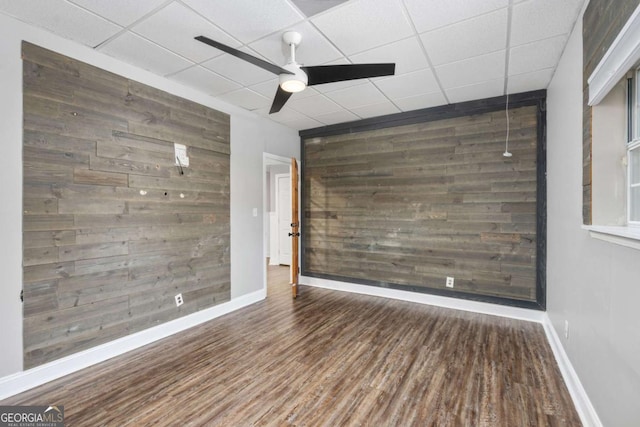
(429, 114)
(537, 98)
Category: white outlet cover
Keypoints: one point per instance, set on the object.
(179, 300)
(449, 282)
(181, 155)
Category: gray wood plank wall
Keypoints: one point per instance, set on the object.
(111, 230)
(411, 205)
(601, 23)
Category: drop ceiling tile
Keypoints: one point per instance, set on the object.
(537, 55)
(376, 110)
(540, 19)
(407, 55)
(206, 81)
(248, 20)
(357, 96)
(362, 25)
(476, 91)
(439, 13)
(246, 99)
(530, 81)
(415, 83)
(314, 49)
(62, 18)
(473, 37)
(238, 70)
(473, 70)
(123, 12)
(340, 116)
(140, 52)
(294, 119)
(314, 105)
(417, 102)
(175, 27)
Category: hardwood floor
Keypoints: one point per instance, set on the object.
(326, 359)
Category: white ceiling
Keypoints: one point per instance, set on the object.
(445, 51)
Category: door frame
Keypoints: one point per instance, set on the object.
(267, 160)
(278, 211)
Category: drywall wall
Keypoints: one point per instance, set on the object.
(251, 135)
(592, 284)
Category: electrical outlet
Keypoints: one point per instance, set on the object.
(449, 282)
(566, 329)
(179, 300)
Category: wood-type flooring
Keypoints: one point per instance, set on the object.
(326, 359)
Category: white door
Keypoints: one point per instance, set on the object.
(283, 212)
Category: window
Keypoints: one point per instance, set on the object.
(633, 148)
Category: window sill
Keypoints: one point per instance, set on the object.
(624, 236)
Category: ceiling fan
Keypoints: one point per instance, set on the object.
(295, 77)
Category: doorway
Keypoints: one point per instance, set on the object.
(276, 227)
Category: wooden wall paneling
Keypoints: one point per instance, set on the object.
(406, 206)
(111, 229)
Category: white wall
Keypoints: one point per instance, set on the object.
(595, 285)
(250, 137)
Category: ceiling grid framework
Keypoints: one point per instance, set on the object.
(445, 51)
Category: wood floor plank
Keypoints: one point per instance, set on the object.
(326, 359)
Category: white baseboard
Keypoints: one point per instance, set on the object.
(25, 380)
(436, 300)
(586, 411)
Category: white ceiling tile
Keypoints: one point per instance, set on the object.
(357, 96)
(246, 99)
(294, 119)
(407, 55)
(238, 70)
(540, 19)
(417, 102)
(123, 12)
(429, 15)
(314, 105)
(175, 27)
(375, 110)
(415, 83)
(268, 88)
(473, 70)
(314, 49)
(363, 25)
(140, 52)
(340, 116)
(62, 18)
(248, 20)
(537, 55)
(206, 81)
(476, 91)
(530, 81)
(473, 37)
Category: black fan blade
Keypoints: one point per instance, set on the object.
(244, 56)
(337, 73)
(278, 102)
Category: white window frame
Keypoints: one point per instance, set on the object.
(633, 138)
